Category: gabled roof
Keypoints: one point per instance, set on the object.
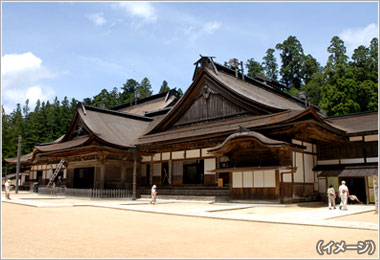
(250, 94)
(113, 128)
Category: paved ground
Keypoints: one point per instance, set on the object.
(45, 227)
(315, 214)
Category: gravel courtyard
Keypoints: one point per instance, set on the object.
(95, 232)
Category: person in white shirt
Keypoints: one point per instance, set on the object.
(343, 194)
(8, 189)
(154, 194)
(331, 196)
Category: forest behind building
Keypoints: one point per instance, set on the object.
(343, 85)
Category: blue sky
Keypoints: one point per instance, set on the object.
(77, 49)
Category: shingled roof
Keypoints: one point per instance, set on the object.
(359, 123)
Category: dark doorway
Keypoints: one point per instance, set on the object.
(147, 174)
(39, 177)
(193, 172)
(356, 186)
(84, 178)
(165, 173)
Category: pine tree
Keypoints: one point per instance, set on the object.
(164, 87)
(270, 65)
(292, 62)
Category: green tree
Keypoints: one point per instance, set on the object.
(292, 62)
(254, 68)
(310, 66)
(144, 89)
(128, 91)
(164, 87)
(270, 65)
(339, 92)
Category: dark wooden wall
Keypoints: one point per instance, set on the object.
(347, 150)
(212, 108)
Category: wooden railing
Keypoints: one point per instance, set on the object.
(87, 193)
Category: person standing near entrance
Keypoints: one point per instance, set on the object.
(343, 194)
(331, 196)
(154, 194)
(7, 185)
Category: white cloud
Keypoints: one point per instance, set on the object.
(211, 27)
(354, 37)
(194, 32)
(20, 76)
(143, 10)
(97, 18)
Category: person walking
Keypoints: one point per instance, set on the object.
(343, 194)
(154, 194)
(7, 185)
(331, 195)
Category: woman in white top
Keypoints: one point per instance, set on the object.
(343, 194)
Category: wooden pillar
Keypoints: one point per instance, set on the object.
(151, 171)
(170, 171)
(18, 162)
(123, 176)
(134, 175)
(102, 175)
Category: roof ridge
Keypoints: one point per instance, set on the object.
(118, 113)
(353, 114)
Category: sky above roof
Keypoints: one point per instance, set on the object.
(76, 49)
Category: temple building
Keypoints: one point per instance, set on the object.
(229, 136)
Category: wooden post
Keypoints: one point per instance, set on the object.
(170, 170)
(134, 175)
(375, 193)
(18, 162)
(102, 174)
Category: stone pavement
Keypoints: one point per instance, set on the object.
(315, 216)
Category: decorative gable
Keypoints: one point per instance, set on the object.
(209, 105)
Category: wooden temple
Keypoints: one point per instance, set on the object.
(229, 136)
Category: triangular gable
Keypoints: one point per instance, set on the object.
(207, 100)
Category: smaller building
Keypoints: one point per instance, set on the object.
(356, 161)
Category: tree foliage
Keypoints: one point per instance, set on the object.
(164, 87)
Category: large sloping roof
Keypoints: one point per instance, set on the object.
(250, 94)
(113, 128)
(255, 93)
(366, 122)
(24, 159)
(63, 146)
(119, 129)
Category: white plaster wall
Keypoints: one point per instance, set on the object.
(258, 179)
(298, 175)
(247, 179)
(145, 158)
(193, 153)
(309, 174)
(269, 178)
(237, 179)
(322, 185)
(209, 164)
(165, 156)
(178, 155)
